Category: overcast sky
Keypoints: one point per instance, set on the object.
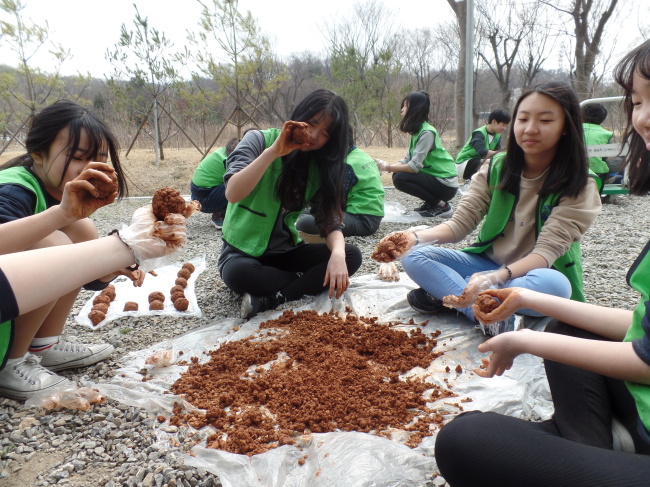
(89, 27)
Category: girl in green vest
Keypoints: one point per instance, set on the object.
(427, 171)
(65, 141)
(533, 203)
(270, 179)
(597, 362)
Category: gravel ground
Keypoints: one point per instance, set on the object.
(114, 445)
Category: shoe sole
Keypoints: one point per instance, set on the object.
(246, 307)
(23, 396)
(82, 362)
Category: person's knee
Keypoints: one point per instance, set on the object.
(353, 258)
(454, 440)
(549, 281)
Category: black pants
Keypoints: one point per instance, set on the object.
(572, 449)
(296, 273)
(423, 186)
(354, 225)
(471, 168)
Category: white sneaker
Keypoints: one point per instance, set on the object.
(27, 377)
(70, 354)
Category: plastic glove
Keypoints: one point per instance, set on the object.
(394, 246)
(382, 165)
(154, 243)
(388, 271)
(477, 283)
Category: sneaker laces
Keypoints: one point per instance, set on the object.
(69, 345)
(30, 368)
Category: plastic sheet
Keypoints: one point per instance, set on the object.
(345, 458)
(163, 282)
(395, 212)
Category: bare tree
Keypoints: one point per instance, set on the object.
(144, 56)
(460, 10)
(590, 18)
(26, 88)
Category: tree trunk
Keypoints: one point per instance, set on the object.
(460, 9)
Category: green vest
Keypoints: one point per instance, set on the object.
(438, 161)
(210, 171)
(21, 176)
(367, 196)
(501, 206)
(638, 277)
(596, 135)
(468, 151)
(249, 223)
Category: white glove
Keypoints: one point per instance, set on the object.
(154, 243)
(388, 271)
(382, 165)
(479, 281)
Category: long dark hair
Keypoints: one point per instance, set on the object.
(292, 183)
(418, 111)
(47, 124)
(568, 172)
(636, 61)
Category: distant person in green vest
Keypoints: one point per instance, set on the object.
(207, 183)
(65, 142)
(364, 198)
(533, 204)
(593, 115)
(427, 171)
(272, 176)
(483, 144)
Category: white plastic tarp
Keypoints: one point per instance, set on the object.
(345, 458)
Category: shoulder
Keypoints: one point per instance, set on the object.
(16, 202)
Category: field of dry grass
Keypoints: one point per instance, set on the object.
(179, 164)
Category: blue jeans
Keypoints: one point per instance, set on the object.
(212, 199)
(440, 272)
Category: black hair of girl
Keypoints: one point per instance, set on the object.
(636, 61)
(569, 171)
(47, 124)
(417, 113)
(292, 184)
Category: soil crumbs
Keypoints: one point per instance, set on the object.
(309, 373)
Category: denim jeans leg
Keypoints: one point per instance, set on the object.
(547, 281)
(440, 271)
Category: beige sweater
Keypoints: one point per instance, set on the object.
(568, 221)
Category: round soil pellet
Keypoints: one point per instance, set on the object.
(96, 317)
(102, 298)
(103, 307)
(130, 306)
(189, 266)
(181, 304)
(184, 273)
(181, 281)
(177, 295)
(156, 305)
(175, 289)
(157, 296)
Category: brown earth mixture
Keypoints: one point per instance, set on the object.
(390, 247)
(309, 373)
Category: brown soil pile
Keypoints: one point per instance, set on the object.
(486, 303)
(390, 247)
(323, 373)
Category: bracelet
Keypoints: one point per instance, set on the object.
(417, 239)
(509, 272)
(115, 231)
